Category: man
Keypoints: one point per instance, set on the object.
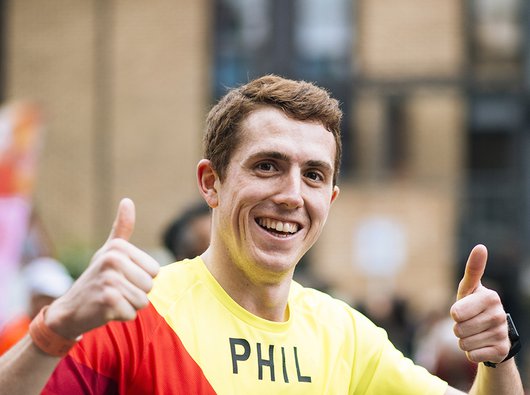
(232, 321)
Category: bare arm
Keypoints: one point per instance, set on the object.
(113, 287)
(25, 360)
(480, 325)
(504, 379)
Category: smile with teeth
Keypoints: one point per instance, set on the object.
(278, 226)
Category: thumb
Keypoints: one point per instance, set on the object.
(123, 225)
(475, 266)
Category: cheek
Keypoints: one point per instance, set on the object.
(235, 205)
(318, 209)
(245, 194)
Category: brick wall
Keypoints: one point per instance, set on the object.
(124, 86)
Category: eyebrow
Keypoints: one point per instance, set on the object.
(270, 154)
(320, 164)
(283, 157)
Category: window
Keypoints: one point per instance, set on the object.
(496, 38)
(300, 39)
(323, 38)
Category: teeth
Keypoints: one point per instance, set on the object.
(279, 226)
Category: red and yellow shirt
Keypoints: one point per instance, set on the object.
(194, 339)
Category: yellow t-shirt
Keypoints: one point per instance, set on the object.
(325, 347)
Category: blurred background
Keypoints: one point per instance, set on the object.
(436, 133)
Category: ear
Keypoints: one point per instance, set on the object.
(335, 193)
(206, 180)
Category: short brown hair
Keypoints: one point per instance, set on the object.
(300, 100)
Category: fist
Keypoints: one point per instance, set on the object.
(480, 319)
(113, 287)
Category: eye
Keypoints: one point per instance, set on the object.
(266, 166)
(314, 175)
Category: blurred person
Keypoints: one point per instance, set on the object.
(436, 349)
(45, 280)
(36, 243)
(392, 313)
(232, 321)
(188, 235)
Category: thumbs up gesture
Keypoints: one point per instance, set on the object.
(113, 287)
(480, 319)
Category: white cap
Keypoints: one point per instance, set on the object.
(47, 276)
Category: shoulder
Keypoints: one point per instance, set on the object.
(179, 272)
(327, 309)
(173, 281)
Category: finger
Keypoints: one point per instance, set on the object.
(496, 337)
(491, 353)
(141, 258)
(138, 277)
(475, 304)
(135, 296)
(475, 266)
(119, 307)
(116, 263)
(123, 225)
(480, 323)
(120, 298)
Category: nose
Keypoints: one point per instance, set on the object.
(289, 192)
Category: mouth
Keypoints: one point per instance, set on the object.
(278, 228)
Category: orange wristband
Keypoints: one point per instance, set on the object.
(47, 340)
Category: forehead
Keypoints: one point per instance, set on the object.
(268, 128)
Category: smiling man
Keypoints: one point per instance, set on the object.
(233, 321)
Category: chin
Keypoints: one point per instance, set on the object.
(276, 263)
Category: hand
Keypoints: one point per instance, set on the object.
(480, 319)
(113, 287)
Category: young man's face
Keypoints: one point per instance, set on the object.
(276, 193)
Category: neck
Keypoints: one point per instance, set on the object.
(265, 298)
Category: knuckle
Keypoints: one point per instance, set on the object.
(501, 350)
(143, 302)
(155, 269)
(462, 344)
(129, 315)
(492, 297)
(108, 297)
(499, 319)
(148, 284)
(472, 356)
(143, 282)
(457, 330)
(112, 260)
(455, 313)
(116, 315)
(126, 313)
(499, 334)
(506, 349)
(151, 267)
(98, 253)
(109, 315)
(117, 244)
(109, 280)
